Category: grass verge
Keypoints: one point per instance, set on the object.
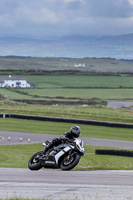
(17, 156)
(123, 115)
(59, 128)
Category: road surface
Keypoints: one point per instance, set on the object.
(39, 138)
(57, 184)
(119, 104)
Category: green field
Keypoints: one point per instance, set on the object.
(74, 88)
(106, 94)
(65, 80)
(64, 94)
(47, 64)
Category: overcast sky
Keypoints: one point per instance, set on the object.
(42, 18)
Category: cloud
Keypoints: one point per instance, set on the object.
(130, 2)
(73, 4)
(36, 17)
(107, 8)
(61, 17)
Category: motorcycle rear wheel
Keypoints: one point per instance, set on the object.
(69, 162)
(34, 163)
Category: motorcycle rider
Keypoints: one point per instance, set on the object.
(67, 136)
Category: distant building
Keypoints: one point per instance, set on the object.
(14, 82)
(79, 65)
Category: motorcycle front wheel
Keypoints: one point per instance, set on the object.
(70, 161)
(34, 163)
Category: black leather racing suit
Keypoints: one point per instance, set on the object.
(67, 136)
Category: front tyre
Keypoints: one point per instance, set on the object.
(34, 163)
(70, 161)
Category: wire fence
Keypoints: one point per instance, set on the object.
(83, 113)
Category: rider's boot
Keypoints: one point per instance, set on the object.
(47, 148)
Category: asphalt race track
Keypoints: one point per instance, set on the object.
(67, 185)
(39, 138)
(57, 184)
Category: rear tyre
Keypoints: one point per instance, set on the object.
(34, 163)
(69, 162)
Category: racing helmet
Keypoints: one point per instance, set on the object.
(75, 131)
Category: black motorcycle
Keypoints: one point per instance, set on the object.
(65, 156)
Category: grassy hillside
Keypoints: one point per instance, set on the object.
(69, 80)
(53, 81)
(73, 89)
(69, 94)
(48, 64)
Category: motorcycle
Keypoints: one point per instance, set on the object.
(65, 156)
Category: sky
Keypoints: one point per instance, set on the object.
(57, 18)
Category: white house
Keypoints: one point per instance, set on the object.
(14, 82)
(79, 65)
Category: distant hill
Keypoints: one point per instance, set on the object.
(75, 46)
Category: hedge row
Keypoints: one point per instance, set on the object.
(114, 152)
(67, 120)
